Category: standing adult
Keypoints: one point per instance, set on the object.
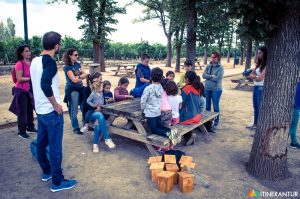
(258, 77)
(23, 104)
(295, 119)
(74, 86)
(213, 75)
(45, 84)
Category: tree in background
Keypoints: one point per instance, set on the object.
(11, 30)
(279, 22)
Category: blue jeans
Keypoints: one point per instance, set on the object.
(215, 97)
(156, 126)
(73, 109)
(100, 126)
(257, 94)
(294, 125)
(50, 132)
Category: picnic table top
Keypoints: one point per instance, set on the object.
(125, 65)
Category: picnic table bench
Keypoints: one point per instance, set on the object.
(131, 110)
(125, 69)
(242, 81)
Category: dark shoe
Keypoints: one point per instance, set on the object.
(31, 130)
(65, 184)
(46, 177)
(77, 131)
(23, 135)
(295, 145)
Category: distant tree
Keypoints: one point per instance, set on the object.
(11, 27)
(36, 45)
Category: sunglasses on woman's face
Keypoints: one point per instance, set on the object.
(76, 55)
(213, 57)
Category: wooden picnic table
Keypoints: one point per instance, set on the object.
(131, 110)
(127, 69)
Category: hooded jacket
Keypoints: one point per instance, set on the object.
(151, 100)
(213, 83)
(192, 105)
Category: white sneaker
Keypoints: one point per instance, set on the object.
(95, 148)
(110, 143)
(84, 129)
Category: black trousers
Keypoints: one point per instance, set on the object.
(156, 126)
(25, 118)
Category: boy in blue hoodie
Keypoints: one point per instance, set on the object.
(142, 74)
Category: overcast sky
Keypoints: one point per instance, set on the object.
(43, 17)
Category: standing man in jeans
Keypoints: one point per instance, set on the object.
(213, 76)
(45, 84)
(295, 120)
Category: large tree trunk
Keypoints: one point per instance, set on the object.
(228, 55)
(102, 62)
(242, 56)
(179, 41)
(249, 53)
(268, 158)
(169, 52)
(205, 54)
(256, 50)
(191, 33)
(96, 52)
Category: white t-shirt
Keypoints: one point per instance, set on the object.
(260, 83)
(174, 102)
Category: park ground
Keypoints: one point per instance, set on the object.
(123, 172)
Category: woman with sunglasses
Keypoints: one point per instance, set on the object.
(213, 76)
(74, 86)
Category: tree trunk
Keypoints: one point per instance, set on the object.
(179, 41)
(169, 52)
(242, 56)
(191, 33)
(256, 50)
(228, 55)
(268, 158)
(205, 54)
(249, 53)
(102, 63)
(96, 52)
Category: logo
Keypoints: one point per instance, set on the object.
(253, 193)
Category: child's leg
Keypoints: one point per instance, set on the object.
(152, 124)
(161, 126)
(100, 126)
(166, 117)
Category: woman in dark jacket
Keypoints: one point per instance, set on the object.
(23, 104)
(74, 86)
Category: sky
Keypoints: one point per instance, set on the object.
(61, 18)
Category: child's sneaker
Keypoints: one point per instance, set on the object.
(65, 184)
(174, 136)
(110, 143)
(95, 148)
(84, 129)
(46, 177)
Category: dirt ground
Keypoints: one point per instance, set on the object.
(123, 172)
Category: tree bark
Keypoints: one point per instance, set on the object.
(191, 33)
(179, 41)
(205, 54)
(169, 51)
(101, 61)
(268, 158)
(249, 53)
(96, 52)
(228, 54)
(242, 56)
(256, 50)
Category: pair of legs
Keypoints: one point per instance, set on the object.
(257, 95)
(294, 126)
(25, 118)
(214, 97)
(73, 109)
(156, 126)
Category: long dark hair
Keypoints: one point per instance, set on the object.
(195, 81)
(20, 50)
(90, 78)
(66, 56)
(261, 63)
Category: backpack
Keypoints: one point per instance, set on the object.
(13, 73)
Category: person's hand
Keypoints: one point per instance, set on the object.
(252, 76)
(58, 108)
(213, 76)
(110, 100)
(129, 97)
(98, 109)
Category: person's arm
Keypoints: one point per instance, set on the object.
(218, 76)
(140, 75)
(144, 98)
(184, 99)
(252, 74)
(261, 76)
(49, 71)
(180, 101)
(73, 78)
(118, 96)
(205, 75)
(90, 100)
(19, 73)
(84, 74)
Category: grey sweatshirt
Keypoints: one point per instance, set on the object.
(213, 84)
(94, 99)
(151, 100)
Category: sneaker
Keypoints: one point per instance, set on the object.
(251, 126)
(95, 148)
(110, 143)
(174, 136)
(191, 140)
(295, 145)
(46, 177)
(65, 184)
(77, 131)
(84, 129)
(23, 135)
(31, 130)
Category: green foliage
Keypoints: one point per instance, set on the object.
(36, 45)
(10, 46)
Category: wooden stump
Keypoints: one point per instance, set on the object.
(186, 182)
(173, 168)
(165, 181)
(186, 159)
(190, 165)
(155, 168)
(170, 159)
(154, 159)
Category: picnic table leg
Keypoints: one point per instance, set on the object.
(142, 131)
(117, 71)
(203, 129)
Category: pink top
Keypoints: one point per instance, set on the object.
(26, 73)
(165, 106)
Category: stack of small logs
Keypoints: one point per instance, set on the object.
(166, 173)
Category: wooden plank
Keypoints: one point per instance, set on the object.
(138, 119)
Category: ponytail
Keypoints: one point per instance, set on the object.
(195, 81)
